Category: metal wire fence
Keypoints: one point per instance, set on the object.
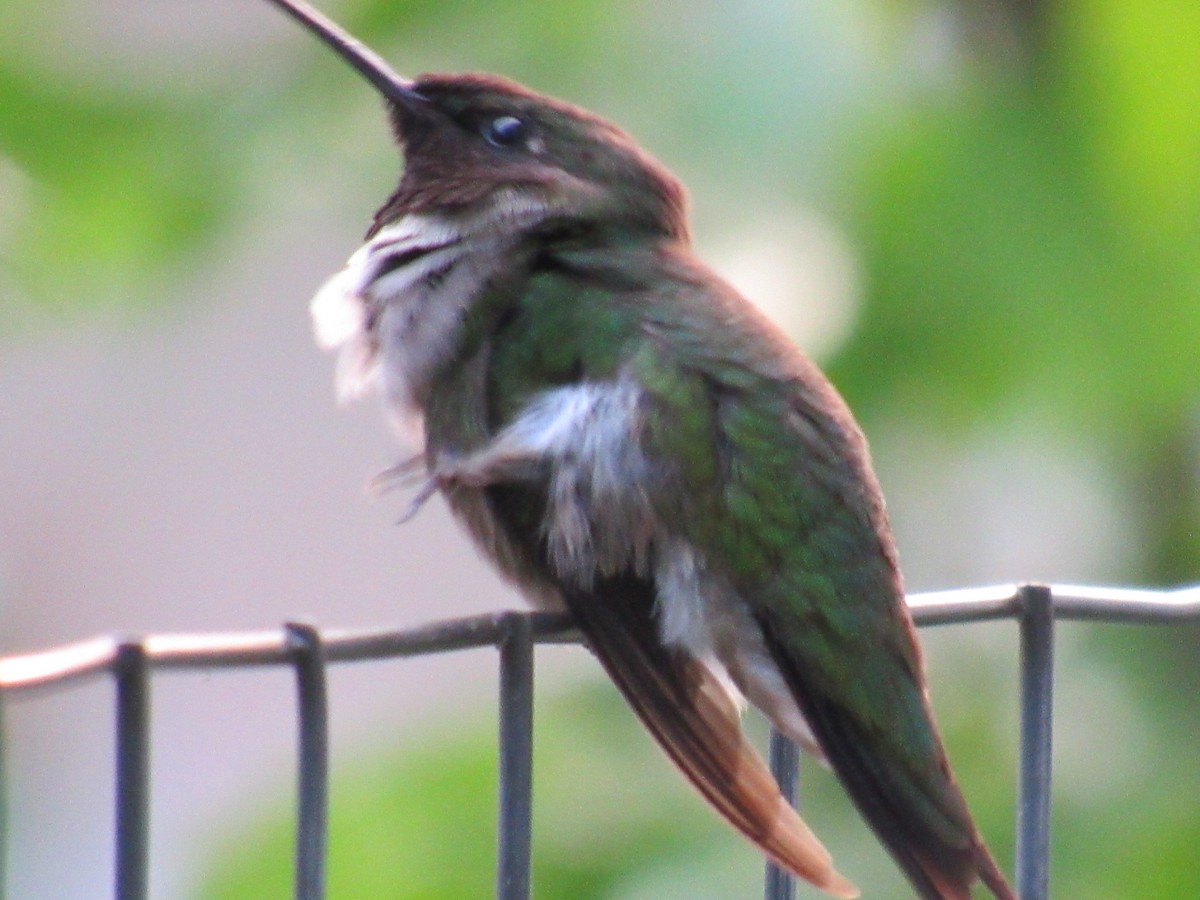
(132, 662)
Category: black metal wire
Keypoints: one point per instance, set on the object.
(784, 759)
(130, 663)
(1037, 696)
(133, 770)
(312, 806)
(3, 802)
(514, 845)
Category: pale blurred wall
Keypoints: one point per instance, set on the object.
(193, 473)
(187, 468)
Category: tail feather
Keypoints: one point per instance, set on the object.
(990, 874)
(940, 862)
(692, 718)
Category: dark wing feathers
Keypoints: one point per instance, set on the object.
(939, 869)
(795, 520)
(771, 482)
(677, 698)
(692, 718)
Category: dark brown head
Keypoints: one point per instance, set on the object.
(471, 138)
(480, 142)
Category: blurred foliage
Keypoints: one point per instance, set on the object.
(611, 818)
(1021, 186)
(1032, 241)
(101, 191)
(607, 813)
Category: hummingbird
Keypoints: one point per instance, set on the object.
(630, 440)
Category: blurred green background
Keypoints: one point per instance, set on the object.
(982, 217)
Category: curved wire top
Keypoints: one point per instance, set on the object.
(271, 647)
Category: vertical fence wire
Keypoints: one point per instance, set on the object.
(130, 672)
(312, 802)
(514, 845)
(1037, 686)
(3, 799)
(784, 758)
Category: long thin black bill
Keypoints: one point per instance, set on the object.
(366, 61)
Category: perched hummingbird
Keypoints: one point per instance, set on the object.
(628, 439)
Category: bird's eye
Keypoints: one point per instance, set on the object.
(506, 131)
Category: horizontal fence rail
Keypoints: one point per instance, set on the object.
(131, 662)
